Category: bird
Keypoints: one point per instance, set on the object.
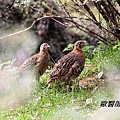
(38, 62)
(69, 66)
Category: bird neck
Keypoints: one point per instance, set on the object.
(79, 52)
(76, 51)
(42, 52)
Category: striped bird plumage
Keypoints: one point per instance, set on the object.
(69, 66)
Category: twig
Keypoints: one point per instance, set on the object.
(18, 31)
(117, 12)
(89, 11)
(82, 28)
(71, 17)
(86, 30)
(11, 4)
(66, 18)
(44, 17)
(59, 22)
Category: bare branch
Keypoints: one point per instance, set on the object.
(11, 4)
(18, 32)
(44, 17)
(89, 11)
(83, 28)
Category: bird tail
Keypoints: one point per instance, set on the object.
(25, 65)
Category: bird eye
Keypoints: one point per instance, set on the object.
(79, 45)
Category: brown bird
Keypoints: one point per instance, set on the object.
(39, 62)
(69, 66)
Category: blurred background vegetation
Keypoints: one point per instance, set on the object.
(57, 22)
(25, 24)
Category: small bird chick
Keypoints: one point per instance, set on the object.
(38, 62)
(69, 66)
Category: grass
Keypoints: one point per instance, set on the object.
(55, 103)
(47, 103)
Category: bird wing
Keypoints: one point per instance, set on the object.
(28, 63)
(76, 68)
(63, 65)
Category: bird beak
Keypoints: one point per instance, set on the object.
(48, 46)
(84, 43)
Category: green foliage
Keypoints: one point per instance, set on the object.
(117, 47)
(69, 47)
(107, 56)
(47, 104)
(88, 50)
(55, 103)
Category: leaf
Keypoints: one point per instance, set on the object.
(114, 47)
(69, 47)
(118, 43)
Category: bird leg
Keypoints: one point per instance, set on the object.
(49, 81)
(37, 77)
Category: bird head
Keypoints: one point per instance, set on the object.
(79, 44)
(44, 47)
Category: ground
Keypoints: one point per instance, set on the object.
(26, 99)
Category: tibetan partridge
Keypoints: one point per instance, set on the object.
(38, 62)
(69, 66)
